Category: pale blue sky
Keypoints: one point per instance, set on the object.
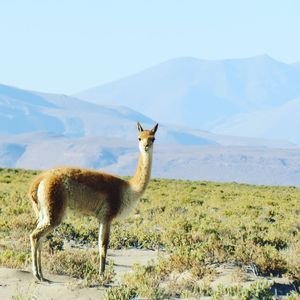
(65, 46)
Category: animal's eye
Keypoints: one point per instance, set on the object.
(153, 139)
(140, 139)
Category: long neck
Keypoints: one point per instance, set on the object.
(142, 175)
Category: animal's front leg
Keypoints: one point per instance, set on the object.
(104, 231)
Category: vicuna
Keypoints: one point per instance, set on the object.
(90, 192)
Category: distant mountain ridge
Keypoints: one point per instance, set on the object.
(39, 130)
(24, 112)
(256, 165)
(280, 121)
(207, 94)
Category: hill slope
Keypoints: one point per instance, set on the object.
(257, 165)
(45, 130)
(201, 93)
(282, 121)
(24, 112)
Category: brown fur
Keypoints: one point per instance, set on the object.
(97, 182)
(91, 192)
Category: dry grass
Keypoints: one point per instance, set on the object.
(197, 223)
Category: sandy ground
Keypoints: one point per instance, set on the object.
(20, 283)
(14, 283)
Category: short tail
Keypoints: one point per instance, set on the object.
(33, 194)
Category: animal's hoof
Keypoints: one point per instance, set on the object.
(37, 278)
(43, 279)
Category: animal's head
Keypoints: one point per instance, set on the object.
(146, 138)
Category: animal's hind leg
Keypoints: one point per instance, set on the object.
(104, 232)
(39, 259)
(36, 241)
(51, 212)
(34, 249)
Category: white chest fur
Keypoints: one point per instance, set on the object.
(129, 202)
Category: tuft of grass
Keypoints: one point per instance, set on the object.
(293, 296)
(292, 255)
(122, 292)
(257, 290)
(82, 264)
(14, 259)
(146, 281)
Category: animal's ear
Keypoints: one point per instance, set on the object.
(139, 127)
(154, 128)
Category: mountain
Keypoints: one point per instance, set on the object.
(205, 94)
(40, 131)
(282, 120)
(24, 112)
(256, 165)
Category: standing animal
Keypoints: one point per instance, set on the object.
(90, 192)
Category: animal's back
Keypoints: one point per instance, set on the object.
(86, 191)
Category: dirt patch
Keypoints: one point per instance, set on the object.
(15, 282)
